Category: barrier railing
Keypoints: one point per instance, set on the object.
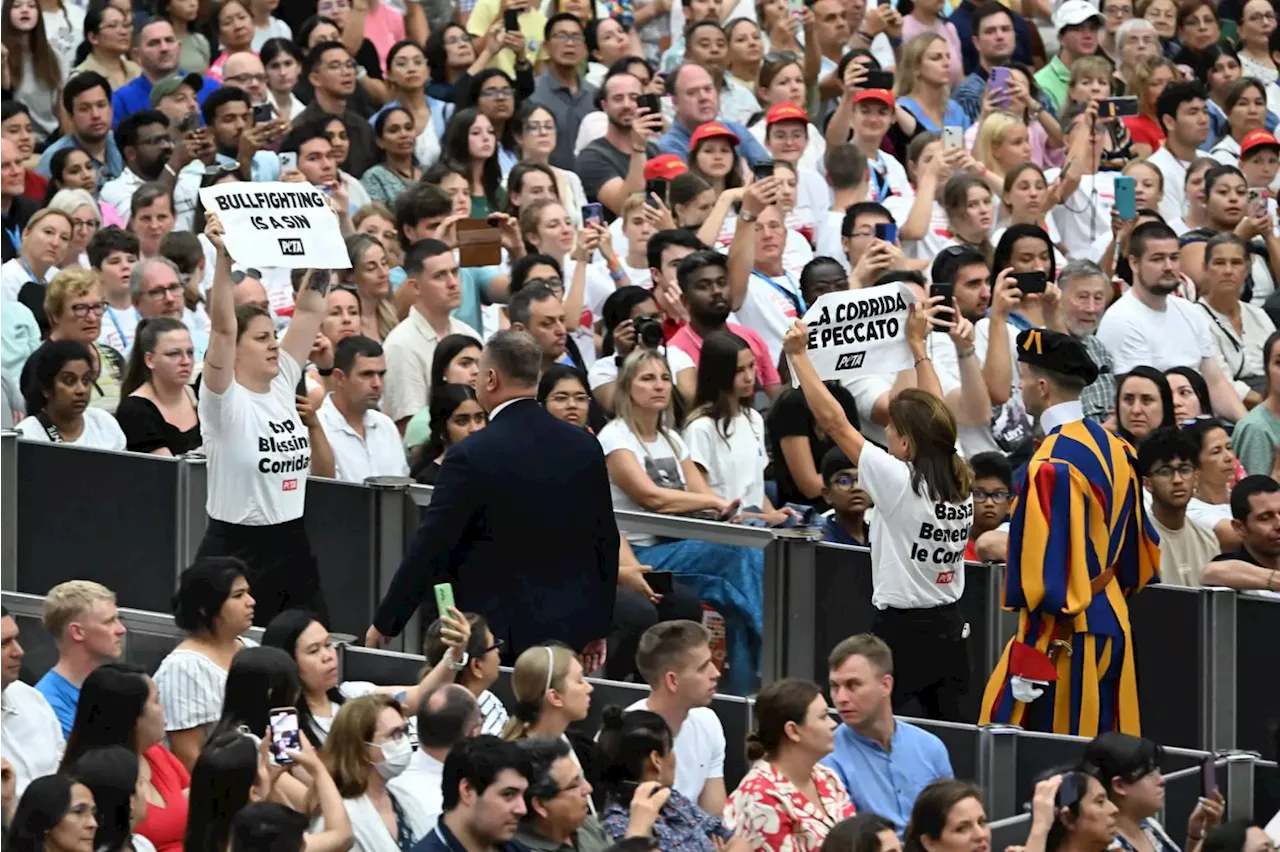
(134, 522)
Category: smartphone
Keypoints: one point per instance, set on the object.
(946, 291)
(657, 187)
(444, 597)
(189, 122)
(593, 212)
(288, 160)
(1117, 107)
(999, 81)
(887, 231)
(262, 113)
(1068, 791)
(660, 581)
(763, 169)
(1209, 777)
(953, 137)
(285, 734)
(1126, 201)
(511, 20)
(1030, 282)
(879, 80)
(650, 102)
(1257, 205)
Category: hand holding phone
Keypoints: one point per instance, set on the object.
(593, 212)
(1209, 777)
(286, 736)
(444, 598)
(1030, 282)
(511, 20)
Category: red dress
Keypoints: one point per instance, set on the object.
(774, 816)
(165, 826)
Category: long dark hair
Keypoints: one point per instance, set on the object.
(857, 834)
(1004, 248)
(137, 373)
(455, 146)
(437, 55)
(220, 783)
(446, 350)
(114, 696)
(445, 400)
(780, 702)
(717, 370)
(34, 45)
(507, 138)
(259, 679)
(1166, 400)
(626, 740)
(43, 367)
(43, 805)
(282, 632)
(515, 182)
(1198, 385)
(937, 470)
(381, 122)
(57, 163)
(111, 774)
(933, 805)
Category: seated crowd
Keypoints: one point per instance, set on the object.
(101, 756)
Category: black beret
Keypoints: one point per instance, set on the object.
(1058, 352)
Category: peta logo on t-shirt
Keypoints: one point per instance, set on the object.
(282, 440)
(289, 485)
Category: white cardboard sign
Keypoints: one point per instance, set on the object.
(855, 333)
(276, 224)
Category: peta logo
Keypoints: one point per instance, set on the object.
(850, 360)
(289, 485)
(291, 247)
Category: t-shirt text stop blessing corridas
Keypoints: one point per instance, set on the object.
(917, 542)
(258, 449)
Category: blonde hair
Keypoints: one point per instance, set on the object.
(345, 752)
(538, 670)
(42, 214)
(69, 284)
(633, 203)
(1140, 81)
(67, 601)
(1143, 162)
(909, 65)
(1089, 68)
(991, 133)
(623, 406)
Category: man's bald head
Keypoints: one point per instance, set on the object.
(245, 70)
(449, 715)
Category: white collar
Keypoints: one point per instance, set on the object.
(503, 406)
(1061, 414)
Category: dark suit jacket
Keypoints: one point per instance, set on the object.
(521, 522)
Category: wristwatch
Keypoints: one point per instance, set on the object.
(748, 217)
(456, 666)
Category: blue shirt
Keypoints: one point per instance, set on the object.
(108, 169)
(62, 695)
(962, 19)
(887, 783)
(836, 534)
(953, 116)
(676, 141)
(135, 96)
(441, 839)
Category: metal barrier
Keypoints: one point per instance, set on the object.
(1204, 651)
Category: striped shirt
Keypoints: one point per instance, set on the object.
(191, 688)
(495, 715)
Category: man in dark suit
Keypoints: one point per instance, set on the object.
(521, 520)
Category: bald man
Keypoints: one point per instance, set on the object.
(246, 71)
(448, 715)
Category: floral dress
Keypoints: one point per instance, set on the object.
(681, 825)
(774, 816)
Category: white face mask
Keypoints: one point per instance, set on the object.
(396, 755)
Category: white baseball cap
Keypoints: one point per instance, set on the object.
(1073, 13)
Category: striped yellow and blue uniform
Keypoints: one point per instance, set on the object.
(1079, 544)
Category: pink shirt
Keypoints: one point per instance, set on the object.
(383, 26)
(688, 342)
(912, 28)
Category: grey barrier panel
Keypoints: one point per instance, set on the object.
(996, 770)
(1011, 831)
(127, 542)
(1167, 625)
(9, 510)
(1266, 788)
(193, 491)
(791, 602)
(342, 524)
(1257, 694)
(1216, 687)
(1238, 785)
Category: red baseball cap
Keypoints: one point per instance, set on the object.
(1258, 139)
(884, 96)
(712, 130)
(785, 112)
(665, 167)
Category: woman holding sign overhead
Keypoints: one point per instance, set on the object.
(260, 449)
(918, 535)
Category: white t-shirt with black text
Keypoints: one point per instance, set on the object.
(660, 460)
(917, 543)
(259, 452)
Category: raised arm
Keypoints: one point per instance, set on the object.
(742, 252)
(998, 369)
(309, 309)
(220, 357)
(827, 413)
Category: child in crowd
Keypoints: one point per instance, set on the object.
(846, 523)
(992, 498)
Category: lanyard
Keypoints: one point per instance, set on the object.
(30, 274)
(124, 341)
(879, 180)
(15, 237)
(792, 295)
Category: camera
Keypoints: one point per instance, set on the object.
(649, 332)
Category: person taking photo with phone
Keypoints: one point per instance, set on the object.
(918, 534)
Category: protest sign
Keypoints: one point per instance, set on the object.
(855, 333)
(285, 225)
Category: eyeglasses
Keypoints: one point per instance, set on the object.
(162, 139)
(540, 127)
(82, 310)
(845, 480)
(85, 224)
(335, 66)
(1261, 17)
(217, 170)
(496, 646)
(1168, 471)
(980, 496)
(551, 283)
(565, 397)
(248, 272)
(503, 92)
(571, 38)
(246, 77)
(173, 289)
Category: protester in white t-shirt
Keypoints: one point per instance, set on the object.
(259, 450)
(921, 526)
(628, 311)
(1148, 326)
(57, 384)
(674, 658)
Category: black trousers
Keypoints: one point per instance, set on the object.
(930, 660)
(633, 614)
(282, 571)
